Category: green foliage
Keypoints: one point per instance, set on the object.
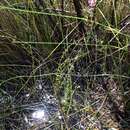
(52, 39)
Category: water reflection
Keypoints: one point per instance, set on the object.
(39, 115)
(36, 117)
(42, 113)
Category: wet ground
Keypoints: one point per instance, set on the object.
(96, 102)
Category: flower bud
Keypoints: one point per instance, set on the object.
(92, 3)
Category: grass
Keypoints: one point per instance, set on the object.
(77, 55)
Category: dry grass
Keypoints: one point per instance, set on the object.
(77, 54)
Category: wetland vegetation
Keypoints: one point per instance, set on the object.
(64, 65)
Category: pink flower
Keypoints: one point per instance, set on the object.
(92, 3)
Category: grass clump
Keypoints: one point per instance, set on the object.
(68, 59)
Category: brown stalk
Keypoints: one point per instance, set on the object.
(78, 10)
